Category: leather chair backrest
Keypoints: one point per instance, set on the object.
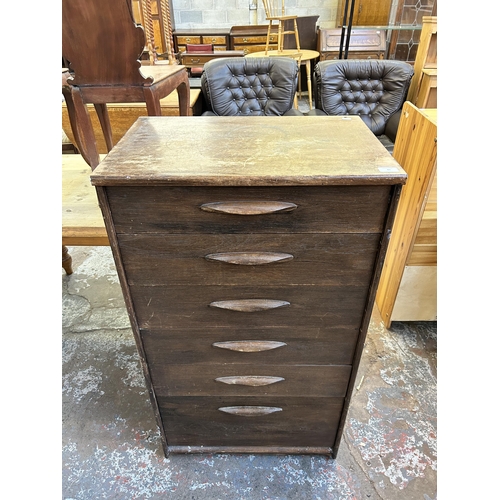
(242, 86)
(372, 89)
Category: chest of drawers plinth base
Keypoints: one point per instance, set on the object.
(249, 275)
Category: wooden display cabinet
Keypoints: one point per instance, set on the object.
(363, 44)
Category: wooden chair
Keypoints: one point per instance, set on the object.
(199, 47)
(103, 45)
(275, 13)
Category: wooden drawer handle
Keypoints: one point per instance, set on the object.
(248, 207)
(249, 305)
(249, 345)
(251, 380)
(249, 258)
(250, 411)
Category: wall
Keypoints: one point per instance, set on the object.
(226, 13)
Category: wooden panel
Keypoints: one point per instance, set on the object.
(367, 12)
(189, 307)
(323, 259)
(200, 380)
(426, 57)
(320, 209)
(82, 222)
(196, 421)
(417, 295)
(122, 116)
(416, 150)
(302, 345)
(427, 95)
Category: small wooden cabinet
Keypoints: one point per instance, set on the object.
(219, 38)
(249, 289)
(251, 38)
(363, 44)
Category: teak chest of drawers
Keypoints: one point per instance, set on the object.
(249, 252)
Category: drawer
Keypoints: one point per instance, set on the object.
(197, 421)
(189, 60)
(274, 346)
(216, 40)
(249, 380)
(352, 55)
(248, 49)
(254, 39)
(232, 259)
(177, 307)
(311, 209)
(183, 40)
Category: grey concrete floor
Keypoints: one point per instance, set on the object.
(111, 445)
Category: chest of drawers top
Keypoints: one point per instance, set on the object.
(253, 151)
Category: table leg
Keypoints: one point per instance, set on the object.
(309, 84)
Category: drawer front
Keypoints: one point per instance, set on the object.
(249, 380)
(196, 59)
(249, 49)
(352, 55)
(197, 421)
(183, 40)
(272, 346)
(232, 259)
(216, 40)
(251, 307)
(254, 39)
(358, 209)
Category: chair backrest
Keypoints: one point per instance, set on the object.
(102, 42)
(274, 8)
(372, 89)
(242, 86)
(199, 47)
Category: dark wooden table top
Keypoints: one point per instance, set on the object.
(249, 151)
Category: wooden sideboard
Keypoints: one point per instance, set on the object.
(249, 290)
(408, 285)
(219, 38)
(363, 44)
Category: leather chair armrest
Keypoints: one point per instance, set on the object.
(293, 112)
(391, 127)
(315, 112)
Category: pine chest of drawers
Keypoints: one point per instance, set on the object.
(249, 251)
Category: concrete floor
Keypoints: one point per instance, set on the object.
(111, 445)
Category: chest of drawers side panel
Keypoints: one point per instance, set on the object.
(377, 271)
(113, 241)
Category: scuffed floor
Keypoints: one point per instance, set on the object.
(112, 448)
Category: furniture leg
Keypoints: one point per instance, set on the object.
(309, 85)
(103, 115)
(86, 132)
(67, 260)
(297, 41)
(183, 94)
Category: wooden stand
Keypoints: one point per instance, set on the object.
(407, 289)
(425, 78)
